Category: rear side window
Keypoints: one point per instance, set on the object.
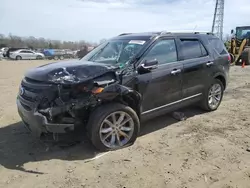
(218, 45)
(26, 51)
(192, 48)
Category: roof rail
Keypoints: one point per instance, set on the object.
(125, 34)
(208, 33)
(164, 32)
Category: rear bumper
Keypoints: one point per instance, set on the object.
(38, 123)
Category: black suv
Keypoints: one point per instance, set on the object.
(125, 80)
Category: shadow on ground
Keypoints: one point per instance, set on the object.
(18, 147)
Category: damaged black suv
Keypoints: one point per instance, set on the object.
(125, 80)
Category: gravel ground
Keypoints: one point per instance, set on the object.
(206, 150)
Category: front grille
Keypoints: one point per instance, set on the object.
(26, 107)
(31, 89)
(28, 98)
(36, 91)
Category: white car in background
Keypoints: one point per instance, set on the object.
(26, 54)
(1, 55)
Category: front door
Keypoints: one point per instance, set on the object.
(162, 86)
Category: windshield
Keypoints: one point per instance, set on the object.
(115, 52)
(242, 33)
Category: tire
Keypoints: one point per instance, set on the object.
(205, 103)
(18, 57)
(39, 57)
(96, 124)
(56, 58)
(61, 57)
(246, 56)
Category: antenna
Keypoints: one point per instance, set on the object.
(218, 19)
(195, 27)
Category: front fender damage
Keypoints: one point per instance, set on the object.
(73, 104)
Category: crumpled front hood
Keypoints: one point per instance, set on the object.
(69, 72)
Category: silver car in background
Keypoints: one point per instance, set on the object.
(26, 54)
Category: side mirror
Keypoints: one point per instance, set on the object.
(232, 31)
(150, 65)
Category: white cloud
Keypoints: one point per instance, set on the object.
(93, 20)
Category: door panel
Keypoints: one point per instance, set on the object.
(162, 85)
(195, 76)
(195, 59)
(23, 54)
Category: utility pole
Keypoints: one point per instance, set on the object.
(217, 27)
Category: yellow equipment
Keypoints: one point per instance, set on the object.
(240, 45)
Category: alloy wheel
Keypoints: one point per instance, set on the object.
(214, 96)
(116, 129)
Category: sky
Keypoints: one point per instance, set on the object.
(93, 20)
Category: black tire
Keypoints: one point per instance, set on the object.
(99, 115)
(18, 57)
(246, 56)
(56, 58)
(61, 57)
(205, 101)
(39, 57)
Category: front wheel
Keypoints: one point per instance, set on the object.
(113, 126)
(39, 57)
(213, 96)
(18, 57)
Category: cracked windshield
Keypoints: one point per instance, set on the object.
(124, 94)
(115, 52)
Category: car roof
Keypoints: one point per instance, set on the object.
(150, 35)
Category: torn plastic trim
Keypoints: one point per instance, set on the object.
(54, 127)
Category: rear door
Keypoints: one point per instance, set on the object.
(24, 54)
(161, 87)
(30, 54)
(195, 59)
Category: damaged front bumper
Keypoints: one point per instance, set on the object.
(38, 123)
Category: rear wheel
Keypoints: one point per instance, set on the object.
(18, 57)
(56, 58)
(113, 126)
(213, 96)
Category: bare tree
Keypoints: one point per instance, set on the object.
(35, 43)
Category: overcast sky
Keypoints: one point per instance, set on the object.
(92, 20)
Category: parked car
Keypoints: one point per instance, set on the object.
(58, 54)
(1, 55)
(121, 83)
(25, 54)
(9, 50)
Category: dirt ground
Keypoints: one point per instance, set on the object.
(206, 150)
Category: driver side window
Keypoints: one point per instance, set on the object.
(164, 51)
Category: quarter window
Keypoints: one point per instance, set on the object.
(164, 51)
(218, 45)
(192, 48)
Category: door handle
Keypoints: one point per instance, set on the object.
(176, 71)
(209, 63)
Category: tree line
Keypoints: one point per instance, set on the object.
(40, 43)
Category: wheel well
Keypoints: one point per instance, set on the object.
(133, 102)
(222, 79)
